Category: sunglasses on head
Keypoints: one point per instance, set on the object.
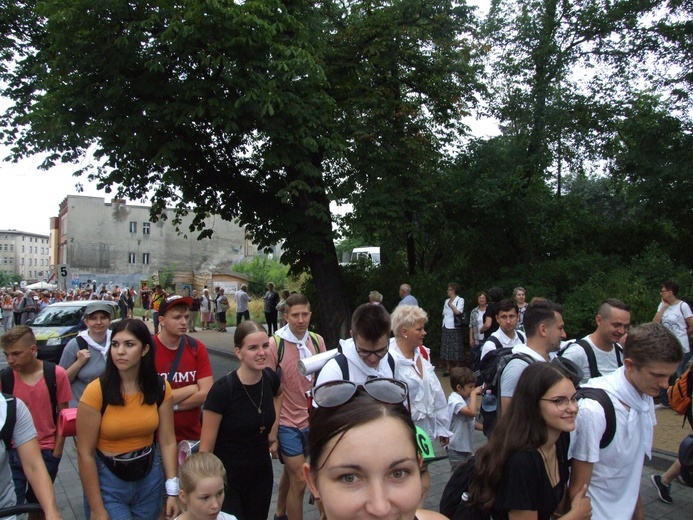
(337, 393)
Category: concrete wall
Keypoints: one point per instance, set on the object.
(97, 241)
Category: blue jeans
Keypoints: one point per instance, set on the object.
(139, 500)
(21, 485)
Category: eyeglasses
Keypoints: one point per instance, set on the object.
(381, 353)
(337, 393)
(562, 402)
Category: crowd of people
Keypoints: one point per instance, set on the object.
(553, 447)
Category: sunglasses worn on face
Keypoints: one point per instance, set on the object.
(337, 393)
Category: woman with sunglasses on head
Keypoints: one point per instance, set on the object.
(240, 424)
(364, 461)
(522, 473)
(117, 419)
(428, 403)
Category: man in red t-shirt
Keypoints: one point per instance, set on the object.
(29, 384)
(192, 377)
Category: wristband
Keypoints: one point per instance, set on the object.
(172, 487)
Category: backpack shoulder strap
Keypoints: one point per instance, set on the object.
(591, 358)
(391, 362)
(7, 380)
(522, 336)
(52, 385)
(192, 343)
(82, 343)
(279, 342)
(495, 341)
(104, 404)
(343, 363)
(316, 342)
(10, 420)
(604, 400)
(618, 350)
(423, 352)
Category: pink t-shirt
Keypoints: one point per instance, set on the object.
(38, 400)
(192, 368)
(294, 386)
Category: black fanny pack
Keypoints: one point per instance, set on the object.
(131, 466)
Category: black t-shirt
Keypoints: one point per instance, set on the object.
(525, 486)
(491, 312)
(239, 435)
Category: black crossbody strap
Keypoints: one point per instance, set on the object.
(176, 361)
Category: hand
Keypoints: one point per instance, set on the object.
(479, 390)
(444, 441)
(83, 356)
(273, 447)
(172, 508)
(582, 504)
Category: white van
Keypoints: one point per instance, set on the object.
(369, 253)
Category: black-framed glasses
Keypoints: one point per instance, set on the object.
(562, 402)
(336, 393)
(381, 353)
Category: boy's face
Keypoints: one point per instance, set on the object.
(371, 351)
(466, 390)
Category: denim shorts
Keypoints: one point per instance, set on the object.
(139, 500)
(292, 441)
(21, 486)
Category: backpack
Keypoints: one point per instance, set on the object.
(494, 362)
(10, 420)
(280, 345)
(591, 358)
(600, 395)
(454, 502)
(82, 343)
(7, 381)
(679, 395)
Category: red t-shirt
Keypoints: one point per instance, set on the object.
(38, 400)
(194, 365)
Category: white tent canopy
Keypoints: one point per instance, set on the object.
(39, 286)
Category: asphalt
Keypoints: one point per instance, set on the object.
(668, 435)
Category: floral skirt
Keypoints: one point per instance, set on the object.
(453, 347)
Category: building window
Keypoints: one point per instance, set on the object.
(22, 261)
(131, 258)
(11, 247)
(5, 247)
(145, 228)
(145, 258)
(11, 260)
(4, 260)
(133, 227)
(22, 248)
(42, 262)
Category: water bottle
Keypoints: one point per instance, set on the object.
(489, 402)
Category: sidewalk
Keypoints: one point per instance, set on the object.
(668, 435)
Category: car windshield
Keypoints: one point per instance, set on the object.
(59, 316)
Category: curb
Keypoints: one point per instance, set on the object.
(661, 459)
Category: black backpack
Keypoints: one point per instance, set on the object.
(591, 358)
(7, 381)
(10, 420)
(454, 502)
(602, 397)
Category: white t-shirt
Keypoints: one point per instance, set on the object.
(617, 470)
(674, 319)
(462, 427)
(513, 370)
(504, 340)
(606, 361)
(448, 315)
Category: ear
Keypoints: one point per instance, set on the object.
(182, 497)
(238, 352)
(598, 319)
(628, 363)
(145, 350)
(311, 480)
(421, 461)
(351, 333)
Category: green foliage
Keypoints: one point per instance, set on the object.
(9, 279)
(166, 277)
(263, 270)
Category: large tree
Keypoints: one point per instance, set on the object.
(218, 107)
